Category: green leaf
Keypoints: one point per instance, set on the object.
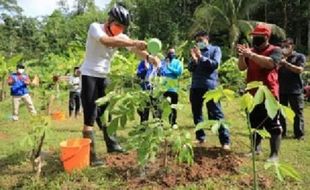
(123, 121)
(283, 170)
(287, 113)
(205, 124)
(214, 95)
(215, 127)
(271, 104)
(259, 97)
(247, 102)
(253, 85)
(263, 133)
(112, 128)
(229, 94)
(287, 170)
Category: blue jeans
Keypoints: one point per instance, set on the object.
(214, 113)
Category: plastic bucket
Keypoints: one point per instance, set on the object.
(58, 116)
(75, 154)
(154, 46)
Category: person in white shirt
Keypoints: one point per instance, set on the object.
(102, 42)
(75, 92)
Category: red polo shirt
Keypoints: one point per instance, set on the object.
(269, 77)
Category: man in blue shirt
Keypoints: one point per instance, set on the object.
(19, 91)
(170, 70)
(206, 58)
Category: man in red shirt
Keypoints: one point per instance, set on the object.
(261, 63)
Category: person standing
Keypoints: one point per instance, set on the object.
(206, 58)
(261, 63)
(75, 92)
(291, 86)
(19, 91)
(102, 42)
(170, 70)
(146, 72)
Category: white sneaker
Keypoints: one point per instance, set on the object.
(175, 126)
(226, 147)
(15, 118)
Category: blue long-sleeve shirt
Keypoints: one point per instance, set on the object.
(204, 73)
(171, 72)
(145, 74)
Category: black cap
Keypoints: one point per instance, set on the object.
(120, 14)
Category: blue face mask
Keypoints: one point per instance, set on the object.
(201, 45)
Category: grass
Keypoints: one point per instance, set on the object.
(16, 171)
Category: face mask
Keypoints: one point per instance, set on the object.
(286, 51)
(201, 45)
(20, 71)
(170, 56)
(116, 29)
(258, 41)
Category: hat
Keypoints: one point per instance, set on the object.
(262, 29)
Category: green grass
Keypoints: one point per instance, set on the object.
(16, 170)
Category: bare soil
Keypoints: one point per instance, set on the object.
(208, 162)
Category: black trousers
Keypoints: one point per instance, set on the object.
(174, 97)
(296, 102)
(92, 89)
(150, 106)
(74, 102)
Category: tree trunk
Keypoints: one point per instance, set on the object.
(2, 91)
(298, 26)
(284, 4)
(266, 11)
(309, 29)
(309, 34)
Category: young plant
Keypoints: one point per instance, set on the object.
(125, 98)
(35, 139)
(248, 102)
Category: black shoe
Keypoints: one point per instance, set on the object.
(115, 148)
(96, 162)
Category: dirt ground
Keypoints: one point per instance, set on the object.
(208, 162)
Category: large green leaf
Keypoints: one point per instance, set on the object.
(247, 102)
(253, 85)
(271, 104)
(113, 126)
(287, 113)
(262, 132)
(229, 94)
(214, 95)
(259, 97)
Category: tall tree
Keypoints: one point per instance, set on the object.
(9, 6)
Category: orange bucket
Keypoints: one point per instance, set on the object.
(75, 154)
(58, 116)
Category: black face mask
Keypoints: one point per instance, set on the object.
(258, 41)
(171, 56)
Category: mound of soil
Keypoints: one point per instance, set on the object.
(208, 162)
